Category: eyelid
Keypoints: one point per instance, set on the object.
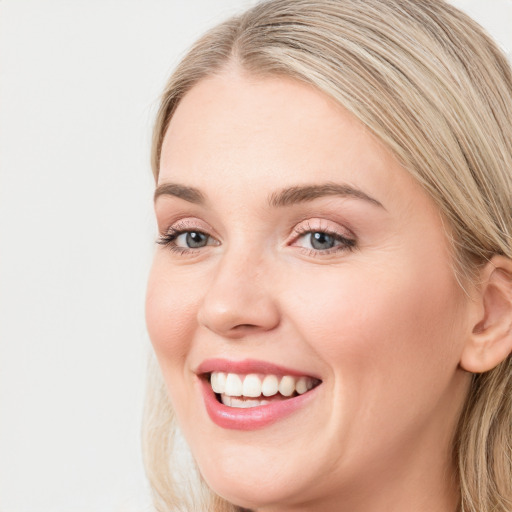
(169, 235)
(188, 223)
(322, 225)
(345, 236)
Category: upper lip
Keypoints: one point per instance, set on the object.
(247, 366)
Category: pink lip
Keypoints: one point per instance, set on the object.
(254, 417)
(247, 366)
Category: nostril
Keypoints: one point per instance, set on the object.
(248, 327)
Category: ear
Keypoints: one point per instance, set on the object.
(490, 342)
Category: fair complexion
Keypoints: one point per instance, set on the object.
(291, 236)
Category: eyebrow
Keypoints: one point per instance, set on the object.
(303, 193)
(190, 194)
(285, 197)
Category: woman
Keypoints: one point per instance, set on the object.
(330, 302)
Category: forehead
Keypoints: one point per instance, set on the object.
(237, 131)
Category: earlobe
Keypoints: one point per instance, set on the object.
(490, 341)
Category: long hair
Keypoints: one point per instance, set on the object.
(437, 91)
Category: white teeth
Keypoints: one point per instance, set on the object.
(240, 403)
(301, 386)
(218, 382)
(270, 385)
(252, 386)
(226, 400)
(287, 386)
(233, 385)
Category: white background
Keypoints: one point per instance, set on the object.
(79, 82)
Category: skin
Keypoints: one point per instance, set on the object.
(383, 323)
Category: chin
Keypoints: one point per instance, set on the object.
(256, 478)
(249, 492)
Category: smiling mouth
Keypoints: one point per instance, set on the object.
(254, 389)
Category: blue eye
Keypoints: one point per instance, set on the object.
(323, 241)
(192, 240)
(183, 240)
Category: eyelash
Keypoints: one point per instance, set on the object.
(346, 244)
(168, 239)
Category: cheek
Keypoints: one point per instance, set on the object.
(169, 315)
(387, 327)
(388, 338)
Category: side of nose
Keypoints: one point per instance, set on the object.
(240, 299)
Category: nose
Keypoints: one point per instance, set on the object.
(240, 299)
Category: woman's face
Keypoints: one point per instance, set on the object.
(297, 250)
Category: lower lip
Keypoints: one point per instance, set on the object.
(251, 418)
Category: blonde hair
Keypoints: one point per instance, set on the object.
(437, 91)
